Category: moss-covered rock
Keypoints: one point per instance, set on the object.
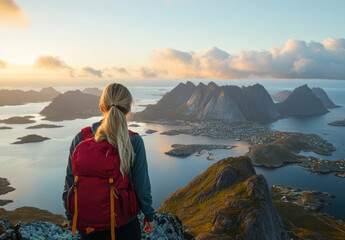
(227, 201)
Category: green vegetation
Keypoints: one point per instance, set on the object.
(308, 225)
(27, 214)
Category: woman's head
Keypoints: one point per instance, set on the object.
(115, 104)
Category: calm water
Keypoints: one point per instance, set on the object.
(37, 170)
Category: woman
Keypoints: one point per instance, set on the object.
(115, 104)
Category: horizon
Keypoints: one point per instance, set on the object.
(111, 40)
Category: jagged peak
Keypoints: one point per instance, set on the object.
(189, 83)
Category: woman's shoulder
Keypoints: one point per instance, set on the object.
(136, 138)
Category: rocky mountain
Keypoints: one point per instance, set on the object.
(302, 102)
(257, 104)
(19, 97)
(281, 96)
(322, 95)
(213, 102)
(170, 105)
(94, 91)
(72, 105)
(228, 201)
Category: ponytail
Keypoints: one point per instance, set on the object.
(115, 104)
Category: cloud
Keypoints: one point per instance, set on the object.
(3, 64)
(91, 72)
(12, 15)
(53, 63)
(146, 72)
(295, 59)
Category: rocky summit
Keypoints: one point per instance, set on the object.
(228, 201)
(302, 102)
(166, 227)
(213, 102)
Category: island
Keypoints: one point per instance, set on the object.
(32, 138)
(185, 150)
(18, 120)
(72, 105)
(134, 125)
(339, 123)
(19, 97)
(150, 131)
(5, 128)
(44, 126)
(5, 187)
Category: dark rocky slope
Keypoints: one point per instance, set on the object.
(72, 105)
(227, 201)
(170, 105)
(19, 97)
(302, 102)
(212, 102)
(322, 95)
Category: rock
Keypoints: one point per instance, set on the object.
(212, 102)
(133, 125)
(227, 201)
(72, 105)
(322, 95)
(31, 139)
(339, 123)
(341, 174)
(170, 105)
(18, 120)
(5, 128)
(19, 97)
(42, 230)
(150, 131)
(166, 227)
(302, 102)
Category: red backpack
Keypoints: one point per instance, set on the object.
(101, 198)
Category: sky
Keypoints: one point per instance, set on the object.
(168, 39)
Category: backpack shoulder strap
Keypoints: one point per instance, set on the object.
(86, 133)
(132, 133)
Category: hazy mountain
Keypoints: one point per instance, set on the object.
(72, 105)
(94, 91)
(301, 102)
(281, 96)
(322, 95)
(227, 201)
(206, 102)
(19, 97)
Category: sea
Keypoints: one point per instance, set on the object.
(37, 170)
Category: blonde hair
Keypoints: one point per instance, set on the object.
(115, 104)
